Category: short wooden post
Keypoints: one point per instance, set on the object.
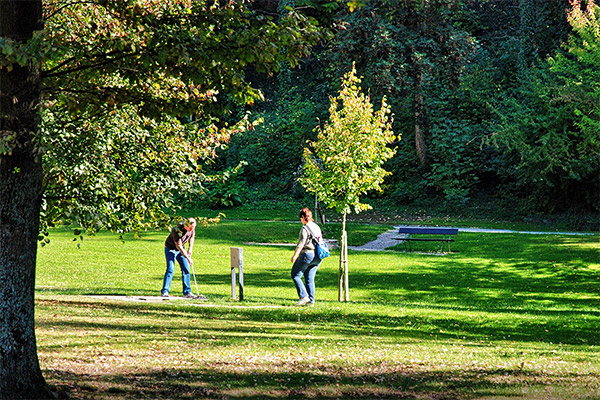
(237, 261)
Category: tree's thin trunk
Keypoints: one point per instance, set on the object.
(321, 216)
(20, 199)
(419, 135)
(419, 104)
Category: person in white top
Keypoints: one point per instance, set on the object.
(305, 260)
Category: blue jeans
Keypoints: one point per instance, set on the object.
(171, 256)
(305, 265)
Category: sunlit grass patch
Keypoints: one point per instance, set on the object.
(496, 318)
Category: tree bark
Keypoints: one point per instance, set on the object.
(419, 134)
(20, 199)
(419, 103)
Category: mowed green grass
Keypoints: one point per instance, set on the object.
(502, 316)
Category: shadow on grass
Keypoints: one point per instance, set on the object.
(232, 326)
(325, 382)
(505, 289)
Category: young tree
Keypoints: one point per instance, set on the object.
(113, 81)
(346, 159)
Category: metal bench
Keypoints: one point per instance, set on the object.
(444, 235)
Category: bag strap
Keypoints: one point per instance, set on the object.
(311, 233)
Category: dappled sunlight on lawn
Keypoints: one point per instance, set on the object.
(108, 350)
(500, 315)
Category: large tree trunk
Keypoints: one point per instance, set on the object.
(20, 199)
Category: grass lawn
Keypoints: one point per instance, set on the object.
(504, 316)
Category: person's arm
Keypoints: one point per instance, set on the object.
(191, 245)
(184, 253)
(300, 245)
(296, 253)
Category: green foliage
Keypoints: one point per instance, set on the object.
(579, 72)
(551, 128)
(456, 154)
(190, 52)
(274, 149)
(16, 53)
(460, 57)
(417, 51)
(119, 80)
(150, 59)
(123, 172)
(225, 189)
(347, 157)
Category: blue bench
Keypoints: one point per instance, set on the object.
(442, 235)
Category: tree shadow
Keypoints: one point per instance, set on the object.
(563, 327)
(302, 382)
(546, 300)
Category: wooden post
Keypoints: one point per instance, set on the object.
(343, 294)
(346, 273)
(237, 261)
(233, 278)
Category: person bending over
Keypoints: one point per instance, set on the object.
(184, 232)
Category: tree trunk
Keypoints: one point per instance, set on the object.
(419, 134)
(419, 106)
(321, 217)
(20, 199)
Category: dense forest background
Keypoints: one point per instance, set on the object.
(492, 102)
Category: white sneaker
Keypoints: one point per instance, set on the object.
(303, 301)
(165, 294)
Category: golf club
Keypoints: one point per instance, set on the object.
(195, 283)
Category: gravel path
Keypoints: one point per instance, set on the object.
(382, 242)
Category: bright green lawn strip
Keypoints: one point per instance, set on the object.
(498, 316)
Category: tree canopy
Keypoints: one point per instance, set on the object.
(346, 159)
(493, 101)
(135, 98)
(108, 113)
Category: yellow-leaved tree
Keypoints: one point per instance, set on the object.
(346, 160)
